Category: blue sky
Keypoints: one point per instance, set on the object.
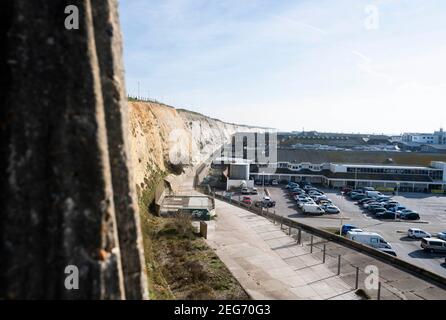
(343, 66)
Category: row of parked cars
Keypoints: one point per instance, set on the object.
(310, 199)
(380, 205)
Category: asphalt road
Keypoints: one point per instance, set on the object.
(431, 209)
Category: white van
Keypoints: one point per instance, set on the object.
(433, 244)
(370, 239)
(313, 209)
(373, 194)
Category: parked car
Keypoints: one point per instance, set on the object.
(245, 190)
(323, 202)
(377, 210)
(267, 202)
(320, 197)
(372, 207)
(385, 215)
(371, 239)
(312, 209)
(228, 195)
(371, 203)
(442, 235)
(347, 227)
(247, 200)
(416, 233)
(383, 199)
(291, 185)
(302, 202)
(365, 200)
(411, 215)
(331, 209)
(397, 208)
(358, 196)
(298, 191)
(433, 244)
(254, 190)
(391, 204)
(274, 182)
(373, 194)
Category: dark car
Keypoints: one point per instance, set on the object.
(365, 200)
(391, 205)
(374, 206)
(358, 196)
(386, 215)
(346, 228)
(410, 216)
(378, 210)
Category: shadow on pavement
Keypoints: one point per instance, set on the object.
(406, 238)
(421, 254)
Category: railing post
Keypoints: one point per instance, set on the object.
(299, 236)
(379, 290)
(311, 244)
(339, 265)
(323, 256)
(357, 278)
(289, 231)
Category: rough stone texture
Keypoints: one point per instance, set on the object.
(60, 92)
(108, 41)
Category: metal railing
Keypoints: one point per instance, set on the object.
(320, 243)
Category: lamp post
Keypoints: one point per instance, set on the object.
(342, 223)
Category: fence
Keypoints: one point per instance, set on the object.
(329, 247)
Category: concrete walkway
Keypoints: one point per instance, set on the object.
(267, 262)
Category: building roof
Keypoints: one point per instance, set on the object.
(351, 175)
(385, 166)
(358, 157)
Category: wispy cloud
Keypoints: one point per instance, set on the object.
(281, 63)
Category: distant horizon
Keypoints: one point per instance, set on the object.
(143, 99)
(375, 67)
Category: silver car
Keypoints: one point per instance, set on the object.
(442, 235)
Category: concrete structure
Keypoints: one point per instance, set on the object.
(181, 203)
(239, 171)
(438, 137)
(411, 178)
(68, 195)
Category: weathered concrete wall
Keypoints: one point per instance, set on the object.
(67, 195)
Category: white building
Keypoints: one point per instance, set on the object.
(405, 178)
(438, 137)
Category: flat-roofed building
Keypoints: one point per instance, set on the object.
(403, 177)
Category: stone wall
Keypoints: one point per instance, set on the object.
(68, 195)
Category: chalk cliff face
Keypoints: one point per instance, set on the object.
(162, 137)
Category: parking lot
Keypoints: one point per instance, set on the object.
(431, 208)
